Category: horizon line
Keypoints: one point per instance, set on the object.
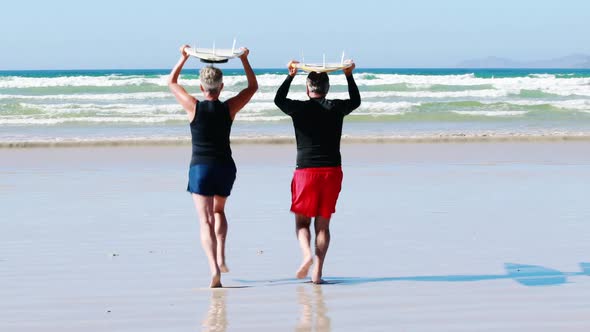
(282, 68)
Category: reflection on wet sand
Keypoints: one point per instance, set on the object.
(216, 318)
(306, 321)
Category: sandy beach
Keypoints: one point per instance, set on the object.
(427, 237)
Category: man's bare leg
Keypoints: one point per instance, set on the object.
(220, 230)
(302, 224)
(204, 206)
(322, 242)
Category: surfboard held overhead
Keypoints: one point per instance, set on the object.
(211, 55)
(323, 67)
(214, 55)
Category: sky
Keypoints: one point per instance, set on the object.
(132, 34)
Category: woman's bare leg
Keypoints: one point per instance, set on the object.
(204, 206)
(220, 230)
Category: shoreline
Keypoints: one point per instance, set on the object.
(448, 138)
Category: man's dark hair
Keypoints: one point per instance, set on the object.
(318, 83)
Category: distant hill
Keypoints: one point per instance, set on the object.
(570, 61)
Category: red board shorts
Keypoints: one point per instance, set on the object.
(315, 190)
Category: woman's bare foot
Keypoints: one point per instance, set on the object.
(216, 281)
(223, 268)
(304, 268)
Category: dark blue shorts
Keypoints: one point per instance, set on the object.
(211, 179)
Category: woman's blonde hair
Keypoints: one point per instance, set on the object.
(211, 79)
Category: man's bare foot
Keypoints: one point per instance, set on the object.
(318, 281)
(316, 275)
(304, 268)
(223, 268)
(216, 281)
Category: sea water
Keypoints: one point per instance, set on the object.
(120, 105)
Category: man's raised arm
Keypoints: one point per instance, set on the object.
(353, 91)
(281, 99)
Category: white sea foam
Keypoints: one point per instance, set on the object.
(120, 113)
(572, 104)
(382, 108)
(581, 104)
(489, 93)
(301, 95)
(259, 96)
(57, 121)
(105, 108)
(130, 80)
(253, 111)
(385, 108)
(92, 96)
(546, 83)
(422, 83)
(258, 107)
(509, 85)
(62, 81)
(492, 113)
(511, 97)
(542, 75)
(160, 119)
(246, 117)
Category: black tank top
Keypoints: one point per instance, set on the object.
(210, 130)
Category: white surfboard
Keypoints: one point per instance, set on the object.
(212, 55)
(323, 67)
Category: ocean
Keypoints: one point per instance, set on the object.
(114, 106)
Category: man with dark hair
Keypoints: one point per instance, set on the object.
(317, 179)
(318, 83)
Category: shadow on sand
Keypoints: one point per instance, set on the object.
(526, 275)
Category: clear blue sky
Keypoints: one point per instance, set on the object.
(65, 34)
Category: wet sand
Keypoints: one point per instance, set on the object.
(427, 237)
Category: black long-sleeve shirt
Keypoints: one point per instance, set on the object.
(318, 124)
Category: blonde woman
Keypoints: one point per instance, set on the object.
(212, 169)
